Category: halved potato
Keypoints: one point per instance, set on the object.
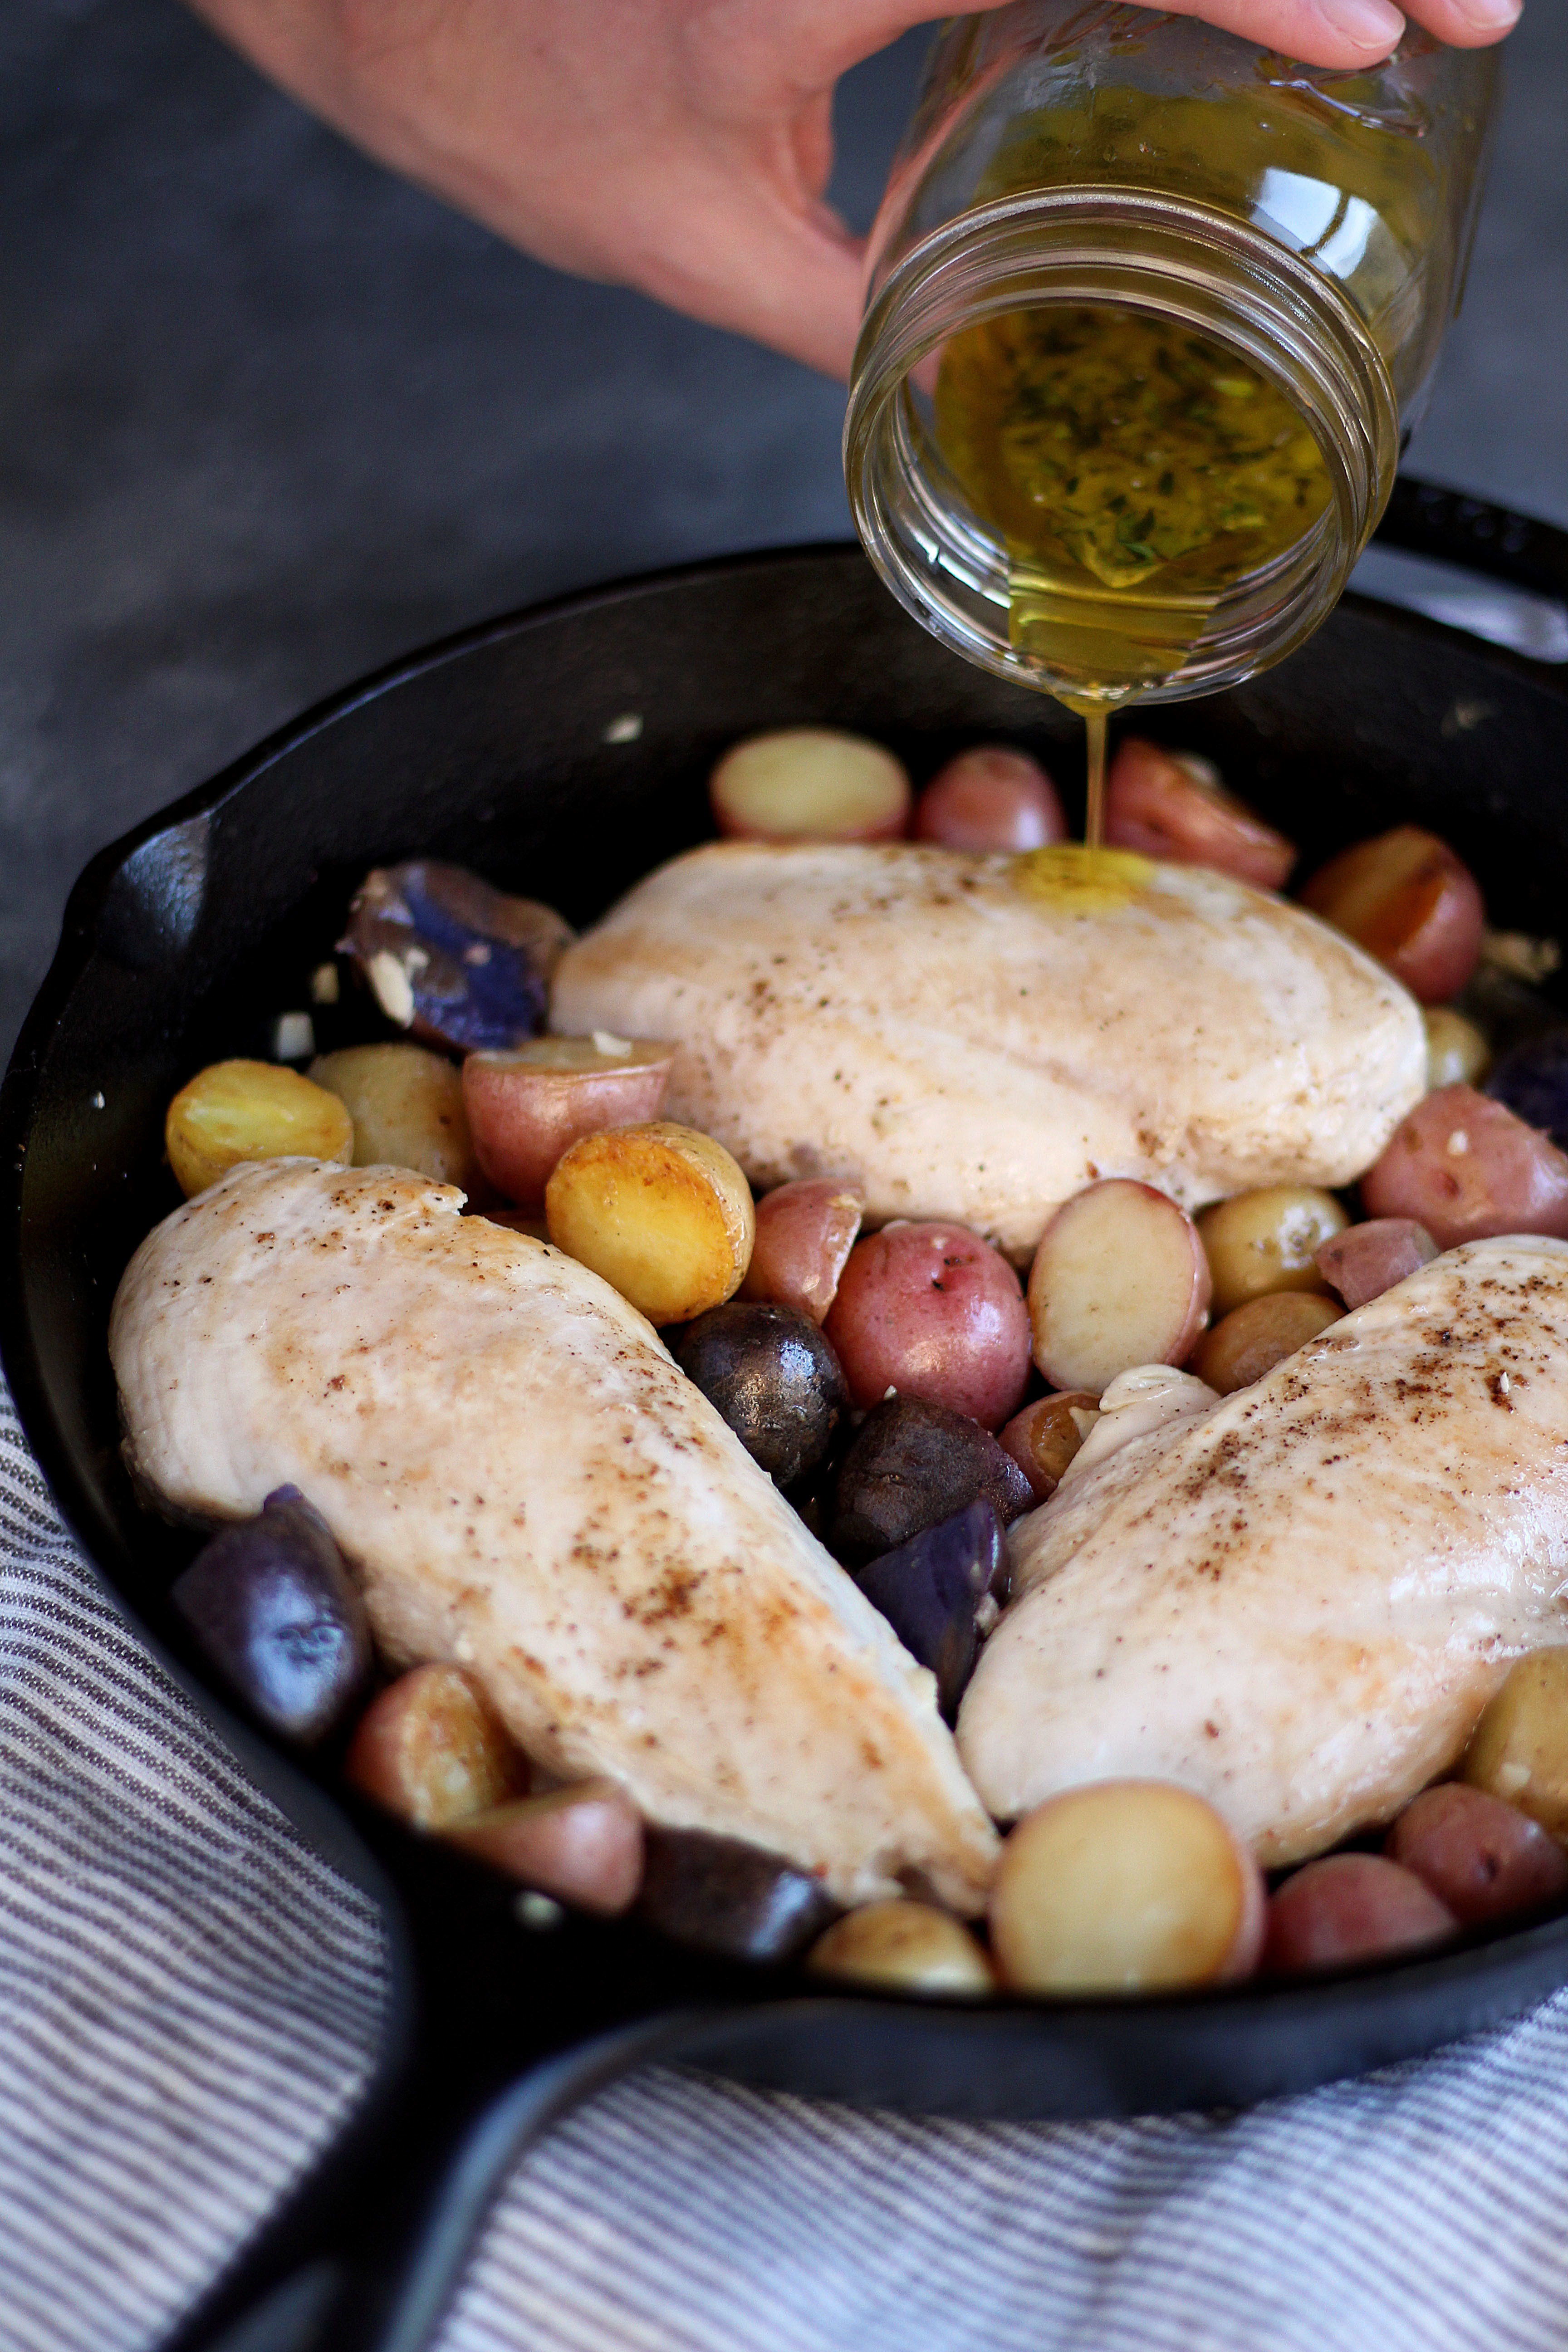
(432, 1750)
(909, 1945)
(661, 1212)
(1255, 1337)
(407, 1104)
(528, 1105)
(1119, 1279)
(235, 1112)
(810, 784)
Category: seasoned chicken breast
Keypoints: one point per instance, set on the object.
(526, 1485)
(1298, 1602)
(980, 1038)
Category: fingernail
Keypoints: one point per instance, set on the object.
(1490, 15)
(1370, 24)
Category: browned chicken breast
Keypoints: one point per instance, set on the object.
(980, 1038)
(527, 1486)
(1298, 1602)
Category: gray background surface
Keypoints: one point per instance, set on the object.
(267, 417)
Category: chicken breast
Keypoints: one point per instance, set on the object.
(526, 1485)
(980, 1038)
(1297, 1602)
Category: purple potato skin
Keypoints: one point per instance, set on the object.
(912, 1465)
(476, 963)
(272, 1606)
(719, 1894)
(773, 1378)
(930, 1589)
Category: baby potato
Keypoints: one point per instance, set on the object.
(1251, 1340)
(772, 1377)
(527, 1106)
(721, 1895)
(1457, 1053)
(1350, 1906)
(663, 1212)
(932, 1311)
(1124, 1887)
(1171, 804)
(1045, 1437)
(992, 798)
(1266, 1241)
(810, 784)
(1465, 1167)
(804, 1234)
(583, 1845)
(906, 1946)
(1119, 1279)
(1364, 1261)
(1519, 1749)
(432, 1750)
(1481, 1857)
(912, 1465)
(235, 1112)
(407, 1104)
(1408, 900)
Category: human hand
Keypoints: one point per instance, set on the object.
(679, 146)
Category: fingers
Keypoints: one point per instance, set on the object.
(1349, 33)
(1468, 24)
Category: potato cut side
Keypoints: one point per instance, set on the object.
(810, 784)
(664, 1213)
(1124, 1886)
(1119, 1279)
(235, 1112)
(909, 1945)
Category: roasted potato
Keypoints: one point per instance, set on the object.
(1408, 900)
(1519, 1749)
(992, 798)
(1120, 1278)
(1465, 1167)
(720, 1895)
(1364, 1261)
(450, 959)
(1045, 1437)
(906, 1946)
(526, 1106)
(432, 1750)
(773, 1378)
(910, 1465)
(1481, 1857)
(1350, 1906)
(1251, 1340)
(235, 1112)
(1458, 1054)
(583, 1845)
(931, 1310)
(1267, 1241)
(663, 1212)
(810, 784)
(805, 1231)
(1171, 804)
(407, 1104)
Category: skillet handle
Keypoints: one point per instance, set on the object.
(1423, 519)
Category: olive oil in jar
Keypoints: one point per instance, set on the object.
(1135, 472)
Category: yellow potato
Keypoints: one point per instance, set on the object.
(1123, 1886)
(661, 1212)
(1457, 1053)
(1518, 1750)
(233, 1111)
(1266, 1241)
(1251, 1340)
(912, 1946)
(407, 1104)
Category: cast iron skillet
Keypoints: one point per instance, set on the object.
(502, 750)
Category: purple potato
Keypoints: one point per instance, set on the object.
(722, 1896)
(912, 1465)
(772, 1377)
(1532, 1080)
(451, 959)
(272, 1606)
(931, 1589)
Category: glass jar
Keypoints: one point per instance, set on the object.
(1151, 312)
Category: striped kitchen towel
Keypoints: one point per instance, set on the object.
(189, 2002)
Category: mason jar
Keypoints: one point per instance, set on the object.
(1151, 312)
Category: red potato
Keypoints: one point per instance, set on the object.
(804, 1234)
(934, 1312)
(1046, 1436)
(1481, 1857)
(1364, 1261)
(810, 784)
(1410, 902)
(583, 1845)
(1124, 1887)
(431, 1749)
(1251, 1340)
(1119, 1279)
(1350, 1906)
(1171, 804)
(529, 1103)
(1465, 1167)
(991, 798)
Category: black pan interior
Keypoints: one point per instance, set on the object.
(514, 750)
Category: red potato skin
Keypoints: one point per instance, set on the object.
(1408, 900)
(430, 1749)
(1166, 805)
(1022, 1438)
(1465, 1168)
(992, 798)
(523, 1120)
(583, 1845)
(1364, 1261)
(1349, 1907)
(932, 1311)
(1482, 1857)
(805, 1231)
